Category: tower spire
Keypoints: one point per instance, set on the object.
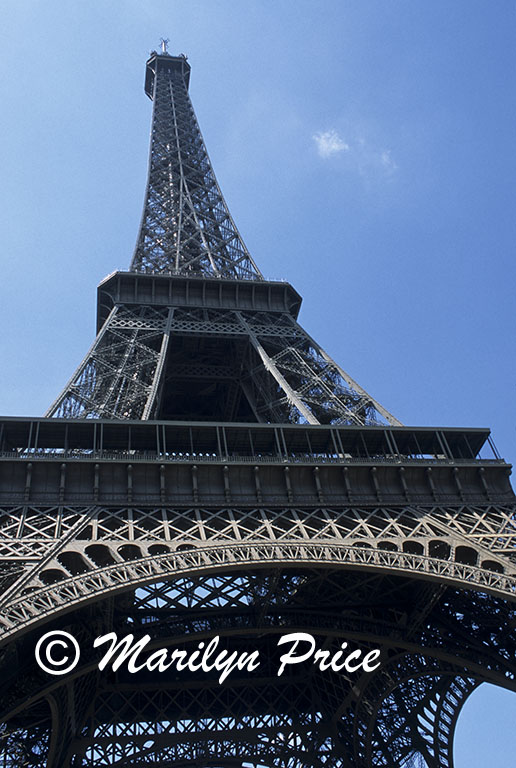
(186, 227)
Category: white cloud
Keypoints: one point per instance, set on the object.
(330, 143)
(387, 161)
(364, 157)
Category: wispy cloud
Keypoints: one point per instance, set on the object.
(387, 161)
(363, 156)
(330, 143)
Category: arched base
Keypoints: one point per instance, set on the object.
(434, 649)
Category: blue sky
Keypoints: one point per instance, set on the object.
(367, 152)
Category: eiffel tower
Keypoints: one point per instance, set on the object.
(210, 472)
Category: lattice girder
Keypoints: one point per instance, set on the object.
(144, 542)
(410, 709)
(186, 226)
(210, 471)
(116, 377)
(280, 371)
(270, 719)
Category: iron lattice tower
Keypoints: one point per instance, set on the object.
(210, 471)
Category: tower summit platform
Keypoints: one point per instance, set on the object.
(177, 65)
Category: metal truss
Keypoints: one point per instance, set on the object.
(142, 352)
(120, 373)
(431, 584)
(278, 372)
(412, 690)
(101, 550)
(209, 471)
(404, 712)
(186, 225)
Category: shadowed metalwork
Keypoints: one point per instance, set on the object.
(210, 471)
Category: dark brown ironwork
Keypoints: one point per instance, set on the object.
(209, 471)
